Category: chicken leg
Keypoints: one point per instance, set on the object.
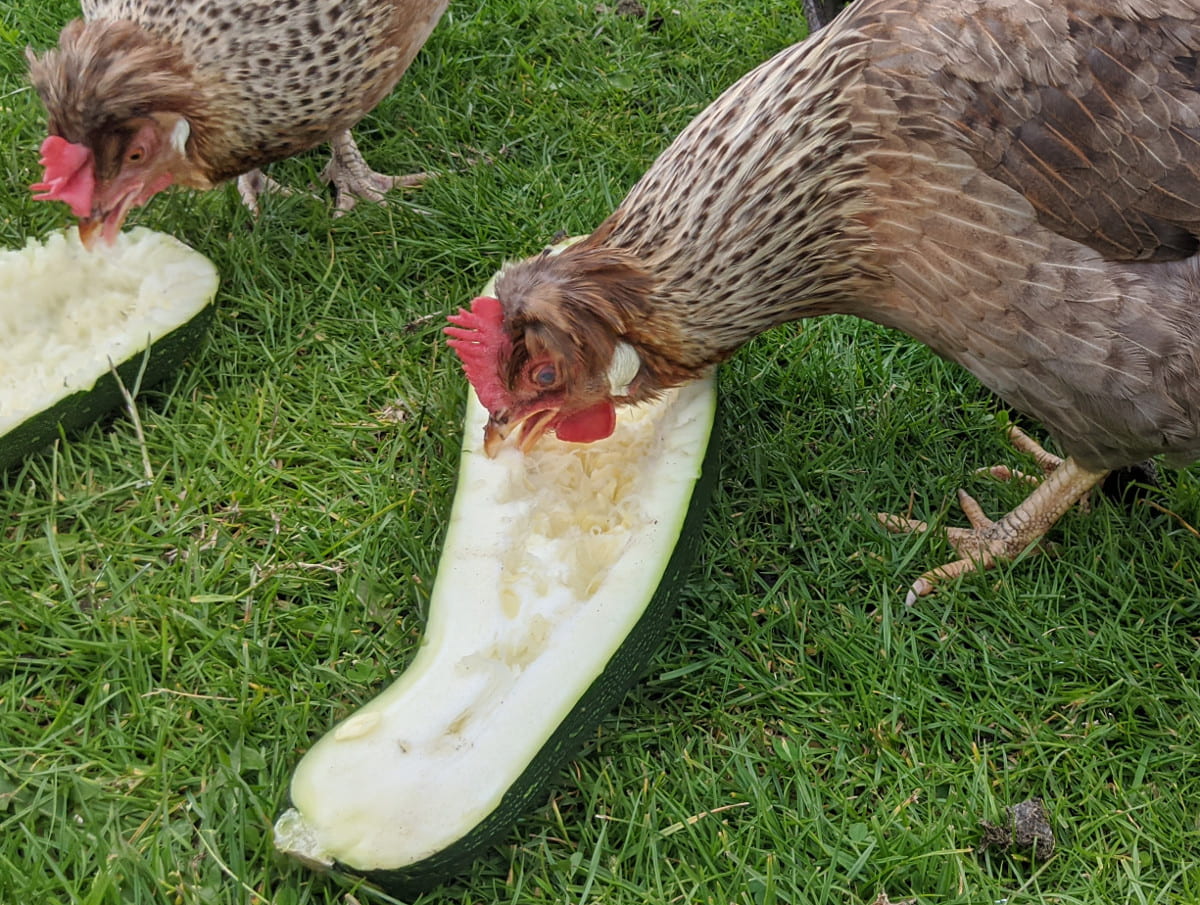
(353, 179)
(251, 185)
(347, 171)
(987, 541)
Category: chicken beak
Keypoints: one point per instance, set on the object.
(494, 436)
(533, 427)
(89, 228)
(107, 222)
(106, 226)
(529, 430)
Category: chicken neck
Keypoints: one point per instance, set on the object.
(770, 212)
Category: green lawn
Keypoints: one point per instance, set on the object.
(173, 643)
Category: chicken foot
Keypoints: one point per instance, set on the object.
(352, 179)
(251, 185)
(986, 541)
(347, 171)
(1022, 442)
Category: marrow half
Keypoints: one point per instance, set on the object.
(69, 316)
(553, 592)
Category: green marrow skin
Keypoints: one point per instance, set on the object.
(84, 407)
(623, 670)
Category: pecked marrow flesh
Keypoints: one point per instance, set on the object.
(69, 317)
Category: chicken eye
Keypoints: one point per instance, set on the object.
(545, 376)
(135, 156)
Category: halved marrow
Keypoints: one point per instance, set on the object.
(556, 584)
(68, 316)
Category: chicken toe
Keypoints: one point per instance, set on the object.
(1021, 441)
(986, 541)
(353, 180)
(253, 184)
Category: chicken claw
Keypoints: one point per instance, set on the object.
(352, 179)
(986, 541)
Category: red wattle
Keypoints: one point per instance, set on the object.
(588, 426)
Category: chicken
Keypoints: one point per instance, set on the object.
(143, 94)
(1014, 183)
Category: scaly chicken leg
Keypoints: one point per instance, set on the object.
(251, 186)
(988, 541)
(347, 171)
(353, 179)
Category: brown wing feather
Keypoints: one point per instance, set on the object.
(1107, 152)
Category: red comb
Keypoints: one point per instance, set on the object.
(69, 175)
(480, 341)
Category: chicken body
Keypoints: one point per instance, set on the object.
(1014, 183)
(251, 82)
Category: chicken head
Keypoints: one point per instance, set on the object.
(102, 180)
(531, 391)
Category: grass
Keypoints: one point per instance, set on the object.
(172, 645)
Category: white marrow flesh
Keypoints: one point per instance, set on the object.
(67, 314)
(549, 559)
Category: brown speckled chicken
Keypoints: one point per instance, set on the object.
(143, 94)
(1015, 183)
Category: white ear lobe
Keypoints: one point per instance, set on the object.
(622, 369)
(179, 135)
